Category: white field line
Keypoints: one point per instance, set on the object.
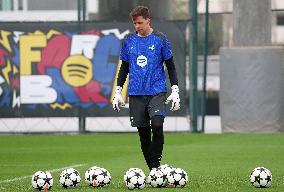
(30, 176)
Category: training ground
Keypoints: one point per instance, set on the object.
(214, 162)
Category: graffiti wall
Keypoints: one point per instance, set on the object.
(66, 69)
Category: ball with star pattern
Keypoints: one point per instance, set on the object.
(157, 178)
(261, 177)
(166, 168)
(177, 177)
(99, 177)
(42, 180)
(134, 178)
(88, 175)
(69, 178)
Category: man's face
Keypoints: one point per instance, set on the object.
(141, 25)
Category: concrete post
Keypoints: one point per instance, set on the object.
(251, 87)
(251, 22)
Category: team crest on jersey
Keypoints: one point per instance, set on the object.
(141, 60)
(152, 47)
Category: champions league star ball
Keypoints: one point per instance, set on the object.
(261, 177)
(69, 178)
(134, 178)
(166, 168)
(88, 175)
(177, 177)
(157, 178)
(42, 180)
(101, 178)
(97, 177)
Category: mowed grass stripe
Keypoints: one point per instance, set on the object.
(29, 176)
(214, 162)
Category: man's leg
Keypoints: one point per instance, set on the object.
(157, 139)
(145, 141)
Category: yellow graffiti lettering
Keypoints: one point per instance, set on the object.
(37, 32)
(60, 106)
(15, 70)
(6, 72)
(5, 41)
(28, 54)
(52, 32)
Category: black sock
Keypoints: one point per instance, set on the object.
(157, 140)
(145, 141)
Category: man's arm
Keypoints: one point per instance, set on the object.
(122, 74)
(121, 78)
(172, 71)
(174, 85)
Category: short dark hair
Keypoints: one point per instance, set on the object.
(140, 11)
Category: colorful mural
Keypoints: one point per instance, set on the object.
(56, 72)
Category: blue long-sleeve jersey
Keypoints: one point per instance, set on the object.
(145, 56)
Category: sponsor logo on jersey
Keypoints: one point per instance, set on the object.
(141, 60)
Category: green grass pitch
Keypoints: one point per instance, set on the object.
(215, 163)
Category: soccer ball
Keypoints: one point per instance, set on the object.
(134, 178)
(177, 177)
(157, 178)
(166, 168)
(42, 180)
(97, 177)
(69, 178)
(88, 175)
(261, 177)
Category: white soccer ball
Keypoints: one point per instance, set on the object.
(97, 177)
(69, 178)
(177, 177)
(42, 180)
(134, 178)
(88, 175)
(261, 177)
(157, 178)
(166, 168)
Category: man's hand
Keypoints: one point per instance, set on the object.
(117, 99)
(175, 98)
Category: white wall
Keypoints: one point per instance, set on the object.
(226, 6)
(38, 16)
(102, 124)
(17, 125)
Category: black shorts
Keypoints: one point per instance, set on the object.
(143, 107)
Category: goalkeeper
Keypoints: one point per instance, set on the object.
(143, 54)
